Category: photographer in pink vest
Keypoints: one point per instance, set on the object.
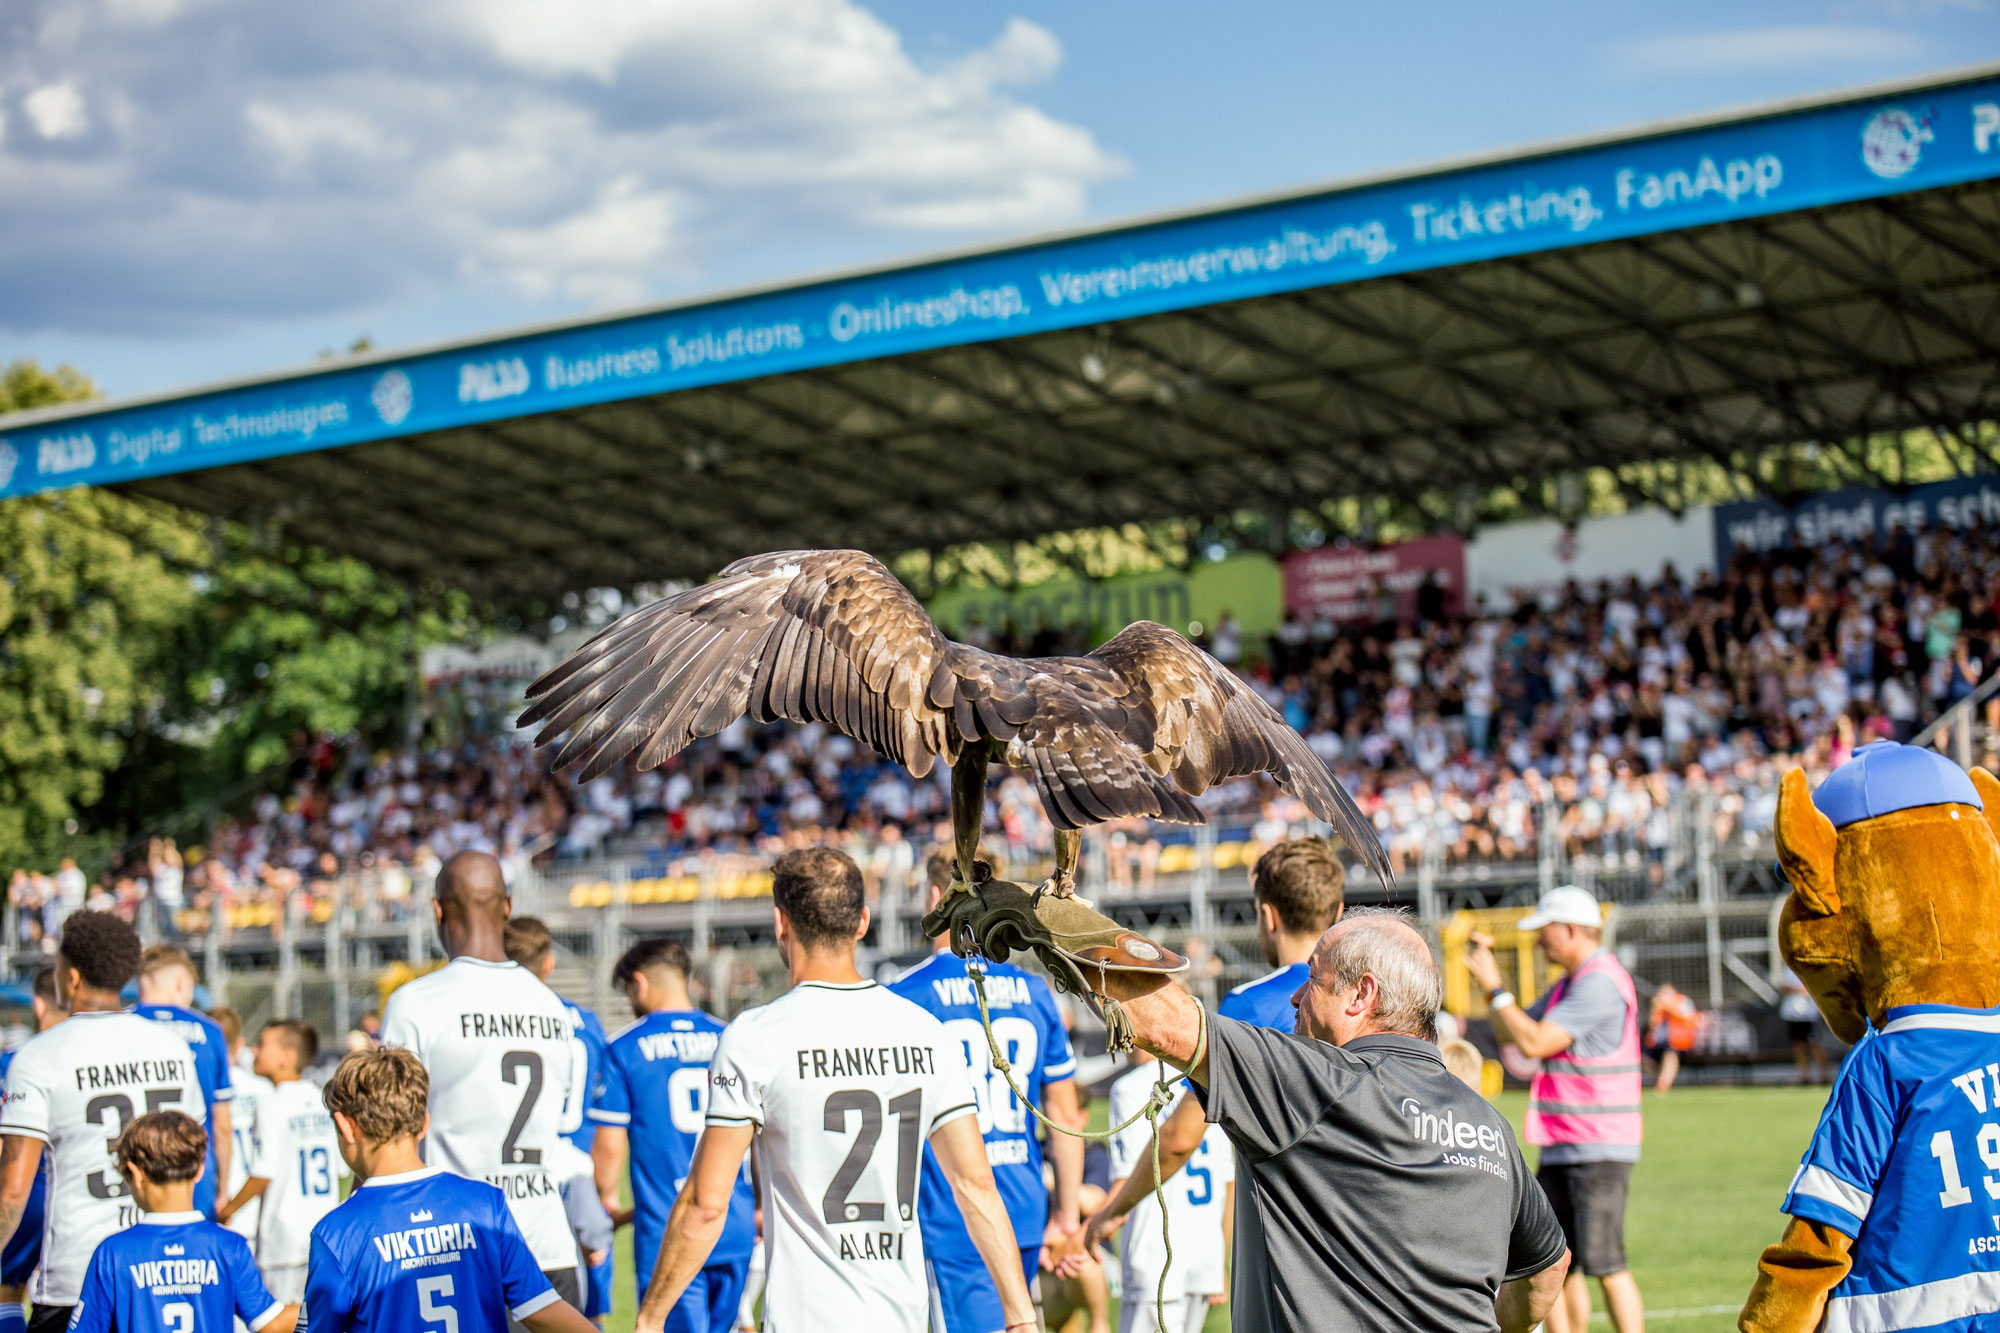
(1583, 1107)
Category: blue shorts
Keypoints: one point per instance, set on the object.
(963, 1297)
(24, 1249)
(709, 1303)
(597, 1289)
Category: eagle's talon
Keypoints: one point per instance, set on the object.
(1059, 884)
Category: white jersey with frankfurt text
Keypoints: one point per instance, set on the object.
(844, 1083)
(75, 1088)
(498, 1046)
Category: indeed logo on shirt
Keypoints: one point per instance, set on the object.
(1447, 1130)
(692, 1047)
(421, 1247)
(171, 1277)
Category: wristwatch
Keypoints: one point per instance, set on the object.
(1499, 999)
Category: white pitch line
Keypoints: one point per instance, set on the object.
(1687, 1312)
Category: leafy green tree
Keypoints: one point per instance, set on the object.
(156, 665)
(289, 642)
(93, 587)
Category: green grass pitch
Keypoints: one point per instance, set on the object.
(1704, 1201)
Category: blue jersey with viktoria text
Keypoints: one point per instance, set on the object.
(1028, 1025)
(1906, 1160)
(654, 1086)
(211, 1068)
(421, 1252)
(172, 1273)
(1267, 1001)
(589, 1031)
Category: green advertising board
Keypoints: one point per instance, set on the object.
(1249, 586)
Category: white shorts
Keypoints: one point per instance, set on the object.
(286, 1285)
(1138, 1312)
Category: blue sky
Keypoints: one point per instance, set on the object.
(198, 189)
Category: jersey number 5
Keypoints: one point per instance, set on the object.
(428, 1291)
(908, 1110)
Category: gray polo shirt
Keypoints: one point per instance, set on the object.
(1373, 1189)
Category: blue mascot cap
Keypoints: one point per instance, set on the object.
(1884, 777)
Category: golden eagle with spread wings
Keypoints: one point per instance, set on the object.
(1140, 726)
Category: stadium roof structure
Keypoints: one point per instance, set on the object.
(1813, 271)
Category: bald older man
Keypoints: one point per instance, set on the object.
(502, 1062)
(1374, 1190)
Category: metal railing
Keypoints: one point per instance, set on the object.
(1951, 730)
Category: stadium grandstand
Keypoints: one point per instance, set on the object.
(1720, 293)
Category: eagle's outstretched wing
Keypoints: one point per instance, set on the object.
(833, 637)
(1209, 726)
(1137, 728)
(826, 636)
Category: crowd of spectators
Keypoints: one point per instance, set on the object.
(1598, 717)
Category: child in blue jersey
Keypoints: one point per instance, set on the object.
(1028, 1024)
(176, 1271)
(654, 1095)
(166, 994)
(529, 943)
(415, 1249)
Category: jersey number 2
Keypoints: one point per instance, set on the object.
(908, 1110)
(513, 1065)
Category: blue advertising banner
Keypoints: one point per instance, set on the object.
(1856, 513)
(1781, 162)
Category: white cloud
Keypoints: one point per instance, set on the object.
(1787, 46)
(241, 161)
(56, 110)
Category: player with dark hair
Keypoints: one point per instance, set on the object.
(166, 995)
(839, 1083)
(529, 943)
(24, 1252)
(455, 1259)
(136, 1067)
(295, 1164)
(498, 1045)
(653, 1094)
(175, 1271)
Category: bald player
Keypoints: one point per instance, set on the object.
(498, 1045)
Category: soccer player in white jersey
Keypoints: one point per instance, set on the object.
(70, 1093)
(295, 1163)
(251, 1088)
(498, 1046)
(839, 1082)
(1197, 1216)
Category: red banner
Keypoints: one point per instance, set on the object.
(1348, 583)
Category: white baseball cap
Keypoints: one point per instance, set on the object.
(1565, 905)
